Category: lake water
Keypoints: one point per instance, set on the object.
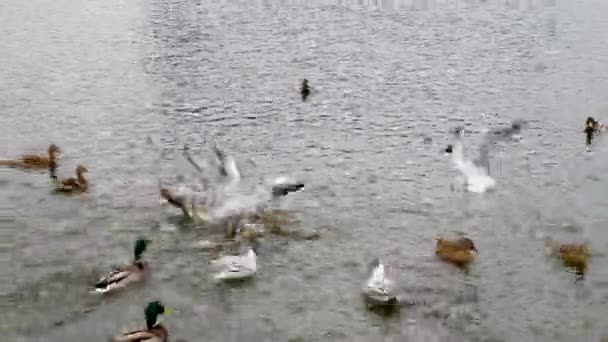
(100, 77)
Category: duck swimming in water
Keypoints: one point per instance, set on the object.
(304, 90)
(592, 127)
(72, 185)
(573, 256)
(123, 276)
(459, 252)
(154, 332)
(32, 161)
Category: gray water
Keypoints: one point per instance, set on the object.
(100, 77)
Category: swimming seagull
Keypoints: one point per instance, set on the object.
(236, 267)
(379, 288)
(476, 171)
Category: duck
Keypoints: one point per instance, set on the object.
(72, 185)
(305, 90)
(175, 200)
(574, 256)
(459, 252)
(123, 276)
(592, 127)
(379, 288)
(236, 267)
(154, 332)
(33, 161)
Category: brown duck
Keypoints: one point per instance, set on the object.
(33, 161)
(572, 255)
(73, 185)
(460, 252)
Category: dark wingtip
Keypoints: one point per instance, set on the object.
(284, 189)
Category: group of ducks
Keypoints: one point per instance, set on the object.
(231, 267)
(50, 162)
(380, 287)
(121, 276)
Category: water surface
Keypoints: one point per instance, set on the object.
(99, 77)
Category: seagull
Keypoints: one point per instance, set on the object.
(228, 201)
(476, 171)
(379, 289)
(236, 267)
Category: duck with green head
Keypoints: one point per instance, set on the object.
(126, 275)
(154, 332)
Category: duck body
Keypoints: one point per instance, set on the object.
(155, 331)
(122, 277)
(459, 252)
(592, 127)
(157, 334)
(73, 185)
(305, 90)
(33, 161)
(571, 255)
(379, 289)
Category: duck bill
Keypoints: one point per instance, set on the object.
(474, 251)
(168, 311)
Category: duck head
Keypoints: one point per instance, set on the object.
(81, 169)
(165, 193)
(468, 245)
(54, 150)
(139, 247)
(152, 312)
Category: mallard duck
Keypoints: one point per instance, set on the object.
(72, 185)
(380, 288)
(572, 255)
(33, 161)
(460, 252)
(304, 90)
(236, 267)
(155, 331)
(123, 276)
